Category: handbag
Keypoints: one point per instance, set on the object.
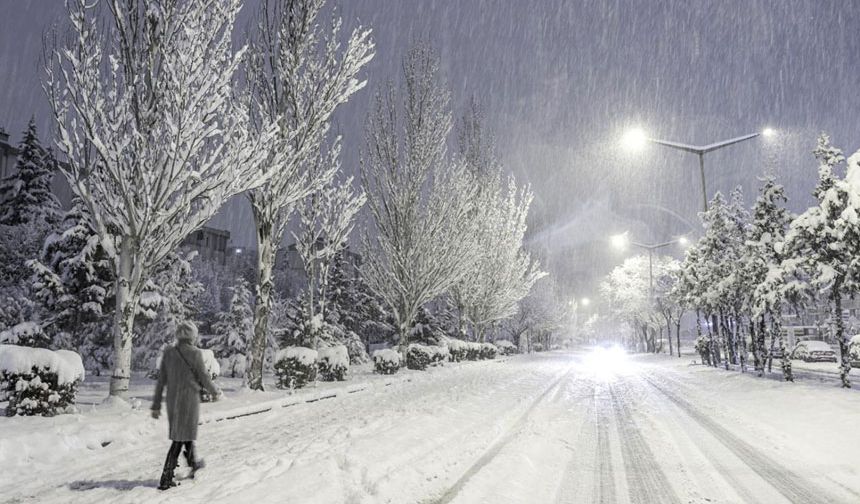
(204, 393)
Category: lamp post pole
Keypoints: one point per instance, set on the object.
(701, 150)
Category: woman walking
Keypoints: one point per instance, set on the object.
(183, 373)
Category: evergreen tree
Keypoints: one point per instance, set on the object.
(822, 244)
(233, 329)
(25, 195)
(170, 297)
(762, 258)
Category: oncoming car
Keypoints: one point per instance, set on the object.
(813, 351)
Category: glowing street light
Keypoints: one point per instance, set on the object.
(585, 301)
(619, 241)
(636, 139)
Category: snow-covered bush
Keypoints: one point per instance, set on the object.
(355, 348)
(418, 357)
(234, 365)
(438, 355)
(333, 363)
(473, 350)
(28, 334)
(854, 350)
(295, 367)
(457, 350)
(703, 348)
(386, 361)
(37, 381)
(487, 351)
(506, 347)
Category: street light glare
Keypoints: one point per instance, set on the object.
(683, 241)
(634, 139)
(768, 132)
(619, 241)
(586, 301)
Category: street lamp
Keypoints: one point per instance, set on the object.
(585, 301)
(636, 139)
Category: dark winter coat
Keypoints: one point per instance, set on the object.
(183, 382)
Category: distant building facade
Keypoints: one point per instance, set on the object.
(210, 244)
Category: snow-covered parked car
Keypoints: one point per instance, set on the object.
(813, 351)
(854, 351)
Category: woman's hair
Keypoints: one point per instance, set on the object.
(186, 332)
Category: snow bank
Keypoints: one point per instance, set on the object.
(65, 364)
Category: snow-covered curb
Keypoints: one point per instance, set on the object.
(310, 394)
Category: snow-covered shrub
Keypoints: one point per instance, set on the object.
(333, 363)
(355, 348)
(37, 381)
(438, 355)
(386, 361)
(457, 350)
(703, 348)
(234, 365)
(487, 351)
(473, 350)
(295, 367)
(28, 334)
(854, 350)
(418, 357)
(506, 347)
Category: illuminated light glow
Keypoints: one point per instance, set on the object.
(619, 241)
(606, 363)
(683, 241)
(768, 132)
(586, 301)
(634, 140)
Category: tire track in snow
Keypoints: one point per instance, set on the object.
(496, 447)
(646, 481)
(791, 485)
(604, 488)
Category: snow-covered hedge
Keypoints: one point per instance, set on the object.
(506, 347)
(386, 361)
(295, 367)
(333, 363)
(457, 350)
(38, 381)
(27, 334)
(487, 351)
(420, 356)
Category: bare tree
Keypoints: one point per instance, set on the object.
(154, 135)
(419, 201)
(301, 75)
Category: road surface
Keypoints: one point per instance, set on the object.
(558, 427)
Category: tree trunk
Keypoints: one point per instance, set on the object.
(844, 359)
(786, 359)
(127, 295)
(263, 301)
(678, 335)
(669, 333)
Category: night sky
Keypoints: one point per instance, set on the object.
(560, 82)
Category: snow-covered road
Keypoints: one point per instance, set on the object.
(542, 428)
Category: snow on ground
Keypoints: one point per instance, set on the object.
(542, 428)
